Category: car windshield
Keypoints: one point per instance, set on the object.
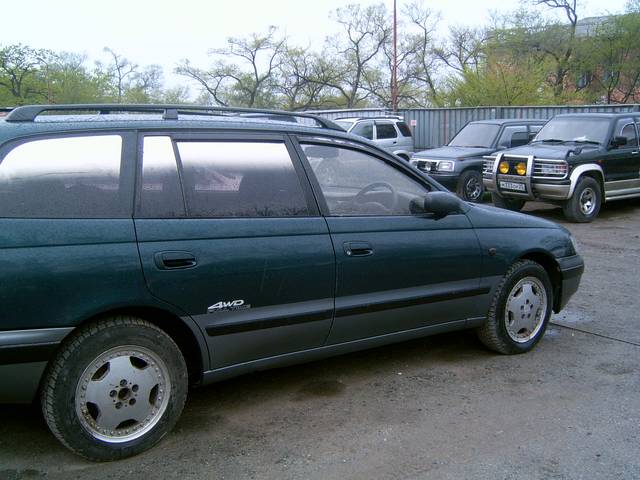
(573, 129)
(481, 135)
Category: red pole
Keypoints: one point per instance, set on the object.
(394, 67)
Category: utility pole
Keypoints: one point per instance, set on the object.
(394, 67)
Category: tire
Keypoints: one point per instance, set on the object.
(114, 388)
(512, 204)
(525, 287)
(470, 186)
(584, 204)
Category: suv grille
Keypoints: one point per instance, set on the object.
(550, 169)
(487, 166)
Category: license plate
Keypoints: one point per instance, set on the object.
(518, 187)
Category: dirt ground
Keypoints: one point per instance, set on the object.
(439, 408)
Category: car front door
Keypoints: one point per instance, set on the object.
(396, 270)
(621, 165)
(229, 234)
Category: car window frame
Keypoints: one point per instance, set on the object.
(510, 125)
(364, 123)
(128, 163)
(385, 122)
(224, 136)
(380, 154)
(626, 121)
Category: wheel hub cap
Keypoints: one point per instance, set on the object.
(526, 309)
(122, 394)
(473, 189)
(587, 201)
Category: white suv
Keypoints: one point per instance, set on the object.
(390, 133)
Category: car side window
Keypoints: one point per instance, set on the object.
(404, 129)
(385, 130)
(364, 129)
(627, 129)
(513, 136)
(240, 179)
(160, 190)
(66, 177)
(356, 183)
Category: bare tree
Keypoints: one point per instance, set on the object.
(117, 72)
(562, 45)
(419, 52)
(247, 82)
(367, 30)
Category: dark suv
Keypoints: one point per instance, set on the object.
(145, 249)
(458, 165)
(577, 161)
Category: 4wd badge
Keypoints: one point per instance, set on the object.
(232, 305)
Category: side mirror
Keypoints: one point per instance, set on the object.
(618, 142)
(440, 204)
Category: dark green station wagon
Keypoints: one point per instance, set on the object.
(146, 249)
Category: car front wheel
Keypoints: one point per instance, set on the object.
(520, 310)
(470, 186)
(585, 203)
(114, 389)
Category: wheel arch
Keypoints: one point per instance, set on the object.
(188, 339)
(592, 170)
(548, 262)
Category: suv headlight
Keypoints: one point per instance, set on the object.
(446, 166)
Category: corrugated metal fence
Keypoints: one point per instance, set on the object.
(434, 127)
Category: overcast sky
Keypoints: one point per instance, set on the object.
(163, 32)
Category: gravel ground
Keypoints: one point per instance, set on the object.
(438, 408)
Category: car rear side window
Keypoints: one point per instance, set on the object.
(240, 179)
(160, 190)
(66, 177)
(385, 130)
(404, 129)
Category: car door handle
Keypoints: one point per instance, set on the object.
(174, 260)
(358, 249)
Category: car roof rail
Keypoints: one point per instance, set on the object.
(28, 113)
(381, 117)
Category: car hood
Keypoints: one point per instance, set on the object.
(551, 151)
(453, 152)
(488, 216)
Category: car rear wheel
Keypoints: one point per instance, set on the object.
(513, 204)
(584, 205)
(114, 389)
(520, 310)
(470, 186)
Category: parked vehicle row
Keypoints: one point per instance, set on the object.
(577, 161)
(146, 249)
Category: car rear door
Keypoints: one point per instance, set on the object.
(228, 231)
(386, 135)
(396, 271)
